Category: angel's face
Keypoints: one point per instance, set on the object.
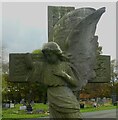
(51, 57)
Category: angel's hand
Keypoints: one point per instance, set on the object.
(28, 61)
(62, 74)
(67, 78)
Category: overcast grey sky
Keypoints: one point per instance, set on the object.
(25, 25)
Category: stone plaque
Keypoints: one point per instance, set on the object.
(18, 71)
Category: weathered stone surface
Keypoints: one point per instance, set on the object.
(102, 70)
(75, 34)
(55, 13)
(18, 70)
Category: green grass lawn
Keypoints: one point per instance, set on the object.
(16, 113)
(91, 109)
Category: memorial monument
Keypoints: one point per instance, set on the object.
(67, 61)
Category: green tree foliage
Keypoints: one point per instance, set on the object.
(9, 89)
(37, 51)
(116, 86)
(114, 78)
(95, 90)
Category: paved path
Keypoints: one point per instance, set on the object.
(101, 114)
(111, 114)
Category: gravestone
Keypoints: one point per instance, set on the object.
(29, 109)
(5, 105)
(23, 107)
(12, 105)
(18, 69)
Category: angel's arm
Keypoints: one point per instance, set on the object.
(29, 66)
(35, 69)
(28, 61)
(70, 79)
(68, 76)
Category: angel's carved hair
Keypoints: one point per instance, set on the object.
(52, 46)
(55, 48)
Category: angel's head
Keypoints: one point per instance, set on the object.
(52, 52)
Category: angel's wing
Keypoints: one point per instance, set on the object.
(75, 34)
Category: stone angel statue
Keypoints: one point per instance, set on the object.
(67, 61)
(57, 74)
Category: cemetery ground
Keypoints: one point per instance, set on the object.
(41, 110)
